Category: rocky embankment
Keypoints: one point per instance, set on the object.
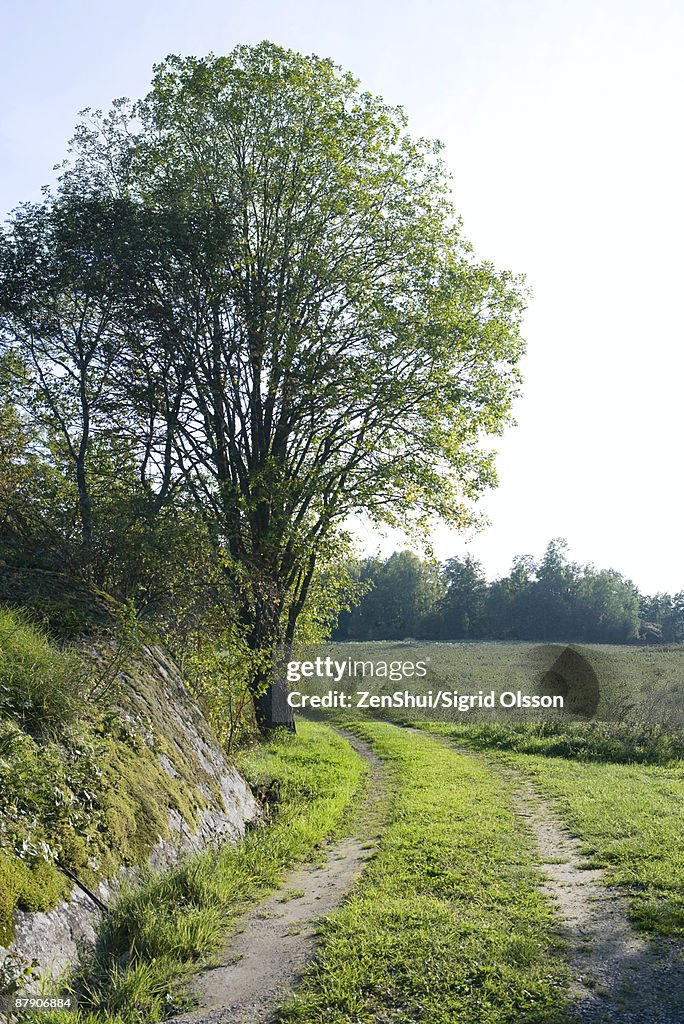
(171, 787)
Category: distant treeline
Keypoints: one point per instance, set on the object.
(550, 600)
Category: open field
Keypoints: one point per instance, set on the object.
(634, 683)
(645, 683)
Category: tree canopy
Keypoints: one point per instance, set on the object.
(251, 290)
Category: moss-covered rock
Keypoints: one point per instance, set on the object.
(132, 777)
(38, 886)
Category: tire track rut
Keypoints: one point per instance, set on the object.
(619, 976)
(277, 938)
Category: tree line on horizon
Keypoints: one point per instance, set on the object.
(552, 599)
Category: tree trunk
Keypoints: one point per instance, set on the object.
(84, 505)
(269, 685)
(270, 704)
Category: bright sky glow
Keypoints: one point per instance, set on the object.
(563, 129)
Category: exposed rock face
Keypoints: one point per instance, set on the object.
(224, 802)
(160, 710)
(55, 937)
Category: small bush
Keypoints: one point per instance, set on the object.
(41, 686)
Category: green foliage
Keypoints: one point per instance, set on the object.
(41, 687)
(143, 549)
(48, 810)
(35, 516)
(461, 612)
(662, 618)
(260, 221)
(219, 669)
(335, 588)
(139, 547)
(554, 600)
(448, 922)
(16, 971)
(201, 629)
(86, 787)
(398, 596)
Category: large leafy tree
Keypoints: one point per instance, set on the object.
(308, 332)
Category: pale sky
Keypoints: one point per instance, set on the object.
(563, 128)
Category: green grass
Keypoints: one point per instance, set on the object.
(631, 822)
(42, 687)
(448, 923)
(83, 784)
(42, 690)
(620, 743)
(636, 683)
(630, 817)
(92, 798)
(640, 689)
(162, 926)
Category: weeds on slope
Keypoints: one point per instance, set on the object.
(166, 923)
(448, 923)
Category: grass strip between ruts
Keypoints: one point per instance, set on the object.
(629, 817)
(448, 923)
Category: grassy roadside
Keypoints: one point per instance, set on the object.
(98, 742)
(630, 817)
(631, 821)
(630, 742)
(448, 922)
(161, 929)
